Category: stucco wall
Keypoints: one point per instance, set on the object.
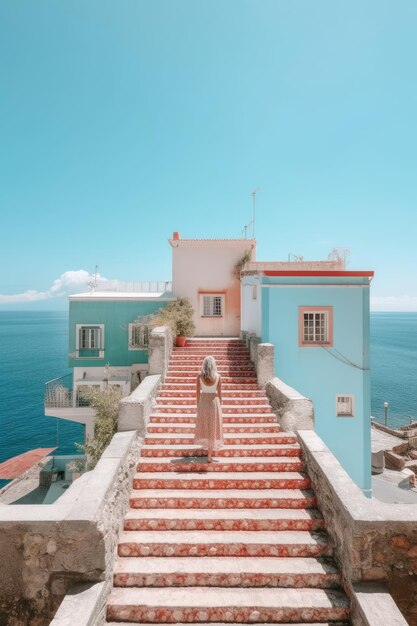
(116, 316)
(251, 316)
(320, 374)
(208, 266)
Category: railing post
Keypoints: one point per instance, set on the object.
(160, 348)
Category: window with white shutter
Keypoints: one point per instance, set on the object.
(315, 326)
(138, 336)
(344, 406)
(89, 341)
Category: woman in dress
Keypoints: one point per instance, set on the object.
(209, 421)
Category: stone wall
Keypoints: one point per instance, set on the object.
(134, 410)
(294, 411)
(374, 541)
(160, 348)
(46, 548)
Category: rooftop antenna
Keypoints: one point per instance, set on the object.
(93, 283)
(253, 194)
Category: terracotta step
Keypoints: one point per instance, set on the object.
(240, 414)
(190, 386)
(285, 543)
(224, 519)
(227, 401)
(295, 572)
(173, 428)
(225, 480)
(226, 370)
(244, 439)
(186, 450)
(240, 624)
(256, 394)
(223, 499)
(220, 358)
(226, 409)
(182, 377)
(212, 604)
(235, 464)
(227, 419)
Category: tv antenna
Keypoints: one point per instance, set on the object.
(93, 283)
(252, 222)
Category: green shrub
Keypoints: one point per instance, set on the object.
(106, 404)
(178, 315)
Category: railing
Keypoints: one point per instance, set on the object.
(59, 392)
(142, 286)
(285, 266)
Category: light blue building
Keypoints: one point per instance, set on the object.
(318, 322)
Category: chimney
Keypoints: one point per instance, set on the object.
(176, 235)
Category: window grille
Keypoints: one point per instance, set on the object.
(90, 338)
(213, 306)
(344, 406)
(316, 327)
(138, 336)
(89, 341)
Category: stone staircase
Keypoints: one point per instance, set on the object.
(236, 541)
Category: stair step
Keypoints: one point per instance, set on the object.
(239, 624)
(225, 572)
(226, 480)
(236, 464)
(238, 409)
(188, 385)
(229, 439)
(224, 519)
(212, 604)
(239, 414)
(227, 419)
(230, 451)
(172, 428)
(186, 378)
(228, 401)
(219, 499)
(240, 543)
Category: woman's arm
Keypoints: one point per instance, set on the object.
(219, 388)
(197, 391)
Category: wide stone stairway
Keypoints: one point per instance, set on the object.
(236, 541)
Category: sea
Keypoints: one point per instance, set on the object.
(34, 349)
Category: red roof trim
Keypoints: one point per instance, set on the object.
(369, 274)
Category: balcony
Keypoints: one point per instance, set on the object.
(63, 393)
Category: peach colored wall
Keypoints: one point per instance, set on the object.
(199, 266)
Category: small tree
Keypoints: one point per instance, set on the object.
(178, 315)
(106, 404)
(241, 263)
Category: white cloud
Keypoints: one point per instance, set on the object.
(403, 303)
(73, 281)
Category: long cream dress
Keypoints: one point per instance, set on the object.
(209, 419)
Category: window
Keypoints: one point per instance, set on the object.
(212, 305)
(138, 336)
(90, 341)
(344, 406)
(315, 326)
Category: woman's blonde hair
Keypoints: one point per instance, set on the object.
(209, 368)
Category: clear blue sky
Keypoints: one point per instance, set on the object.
(123, 120)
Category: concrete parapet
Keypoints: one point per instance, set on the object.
(47, 548)
(294, 411)
(84, 605)
(374, 541)
(254, 341)
(135, 409)
(159, 350)
(264, 363)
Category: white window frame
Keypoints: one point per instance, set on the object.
(207, 303)
(304, 341)
(350, 400)
(144, 333)
(78, 347)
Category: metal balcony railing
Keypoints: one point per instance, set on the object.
(141, 286)
(59, 392)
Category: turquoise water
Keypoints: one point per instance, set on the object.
(394, 366)
(34, 348)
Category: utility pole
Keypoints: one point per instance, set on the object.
(386, 405)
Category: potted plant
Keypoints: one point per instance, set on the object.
(178, 315)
